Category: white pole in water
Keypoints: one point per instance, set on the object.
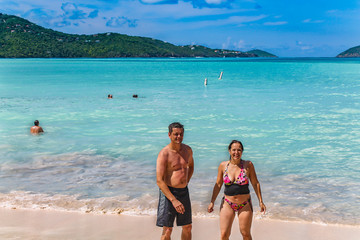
(205, 82)
(220, 77)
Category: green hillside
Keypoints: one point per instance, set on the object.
(20, 38)
(261, 53)
(352, 52)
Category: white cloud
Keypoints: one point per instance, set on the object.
(229, 44)
(152, 1)
(244, 19)
(235, 21)
(333, 11)
(303, 46)
(309, 20)
(120, 22)
(226, 44)
(240, 44)
(275, 23)
(215, 1)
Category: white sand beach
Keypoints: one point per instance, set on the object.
(45, 224)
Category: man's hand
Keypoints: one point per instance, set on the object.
(179, 207)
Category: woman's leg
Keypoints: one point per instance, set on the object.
(227, 216)
(245, 219)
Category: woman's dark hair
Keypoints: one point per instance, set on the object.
(236, 141)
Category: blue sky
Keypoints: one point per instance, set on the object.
(287, 28)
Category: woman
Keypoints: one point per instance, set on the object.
(235, 174)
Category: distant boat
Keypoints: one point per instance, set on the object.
(205, 82)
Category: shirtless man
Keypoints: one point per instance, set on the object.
(174, 168)
(36, 129)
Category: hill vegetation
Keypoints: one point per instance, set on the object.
(261, 53)
(352, 52)
(20, 38)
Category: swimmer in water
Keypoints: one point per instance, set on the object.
(36, 129)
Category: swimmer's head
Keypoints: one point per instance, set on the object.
(236, 141)
(175, 125)
(36, 123)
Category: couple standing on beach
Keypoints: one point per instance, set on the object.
(174, 168)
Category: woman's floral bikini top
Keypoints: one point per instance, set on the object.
(242, 179)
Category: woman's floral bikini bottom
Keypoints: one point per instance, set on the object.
(236, 206)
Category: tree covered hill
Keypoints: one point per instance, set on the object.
(261, 53)
(20, 38)
(351, 52)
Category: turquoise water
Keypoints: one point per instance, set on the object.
(298, 120)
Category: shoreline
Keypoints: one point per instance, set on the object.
(50, 224)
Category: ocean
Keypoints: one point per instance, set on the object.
(298, 119)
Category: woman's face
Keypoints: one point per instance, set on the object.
(235, 151)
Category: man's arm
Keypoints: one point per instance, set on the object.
(161, 167)
(190, 165)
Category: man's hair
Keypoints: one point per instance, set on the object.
(36, 122)
(175, 125)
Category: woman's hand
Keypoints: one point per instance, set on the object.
(262, 207)
(211, 207)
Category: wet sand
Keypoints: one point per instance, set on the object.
(46, 224)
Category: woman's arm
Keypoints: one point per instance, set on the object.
(217, 187)
(256, 185)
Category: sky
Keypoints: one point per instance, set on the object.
(286, 28)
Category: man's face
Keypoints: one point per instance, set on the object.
(177, 135)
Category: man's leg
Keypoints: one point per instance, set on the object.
(185, 219)
(166, 234)
(186, 232)
(165, 216)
